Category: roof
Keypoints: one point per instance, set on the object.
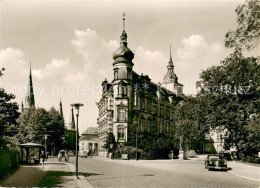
(89, 137)
(90, 130)
(31, 145)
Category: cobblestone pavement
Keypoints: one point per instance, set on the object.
(159, 173)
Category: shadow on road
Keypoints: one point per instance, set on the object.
(54, 178)
(86, 174)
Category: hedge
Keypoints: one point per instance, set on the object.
(8, 162)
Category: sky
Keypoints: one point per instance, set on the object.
(70, 45)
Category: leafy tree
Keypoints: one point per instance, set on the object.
(247, 34)
(35, 123)
(8, 116)
(110, 140)
(190, 118)
(231, 91)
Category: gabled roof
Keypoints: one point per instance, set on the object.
(90, 130)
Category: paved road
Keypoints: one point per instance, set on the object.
(161, 173)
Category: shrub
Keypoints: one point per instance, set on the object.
(250, 159)
(257, 160)
(9, 163)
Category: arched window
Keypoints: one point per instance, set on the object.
(121, 114)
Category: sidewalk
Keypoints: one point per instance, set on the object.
(243, 170)
(53, 174)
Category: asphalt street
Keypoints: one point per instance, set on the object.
(159, 173)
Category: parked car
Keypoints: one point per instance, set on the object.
(215, 161)
(83, 154)
(191, 153)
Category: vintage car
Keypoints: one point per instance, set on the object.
(191, 153)
(215, 161)
(83, 154)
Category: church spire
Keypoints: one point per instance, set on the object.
(170, 64)
(61, 111)
(72, 121)
(29, 99)
(22, 107)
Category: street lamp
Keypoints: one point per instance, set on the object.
(77, 106)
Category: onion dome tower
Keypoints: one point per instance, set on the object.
(123, 57)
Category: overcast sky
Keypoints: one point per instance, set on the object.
(70, 45)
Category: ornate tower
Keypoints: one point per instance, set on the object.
(29, 98)
(122, 87)
(170, 80)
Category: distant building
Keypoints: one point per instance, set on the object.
(88, 141)
(132, 102)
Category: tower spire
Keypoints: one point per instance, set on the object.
(72, 121)
(29, 99)
(61, 111)
(123, 37)
(124, 15)
(170, 64)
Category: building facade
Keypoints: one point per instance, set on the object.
(88, 141)
(132, 102)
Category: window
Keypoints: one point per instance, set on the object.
(149, 106)
(149, 126)
(121, 116)
(161, 126)
(142, 104)
(116, 74)
(120, 133)
(129, 73)
(168, 127)
(162, 110)
(142, 125)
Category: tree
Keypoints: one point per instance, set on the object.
(232, 93)
(36, 123)
(190, 122)
(110, 140)
(247, 34)
(8, 116)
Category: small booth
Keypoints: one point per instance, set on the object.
(30, 153)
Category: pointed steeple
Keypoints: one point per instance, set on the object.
(61, 111)
(22, 107)
(72, 121)
(29, 99)
(170, 64)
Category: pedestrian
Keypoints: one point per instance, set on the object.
(43, 157)
(59, 156)
(47, 155)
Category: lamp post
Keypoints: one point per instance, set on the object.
(77, 106)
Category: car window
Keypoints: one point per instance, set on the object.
(214, 157)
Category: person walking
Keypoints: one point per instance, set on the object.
(43, 157)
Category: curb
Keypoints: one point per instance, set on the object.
(82, 181)
(258, 180)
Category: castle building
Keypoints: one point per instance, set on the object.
(132, 102)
